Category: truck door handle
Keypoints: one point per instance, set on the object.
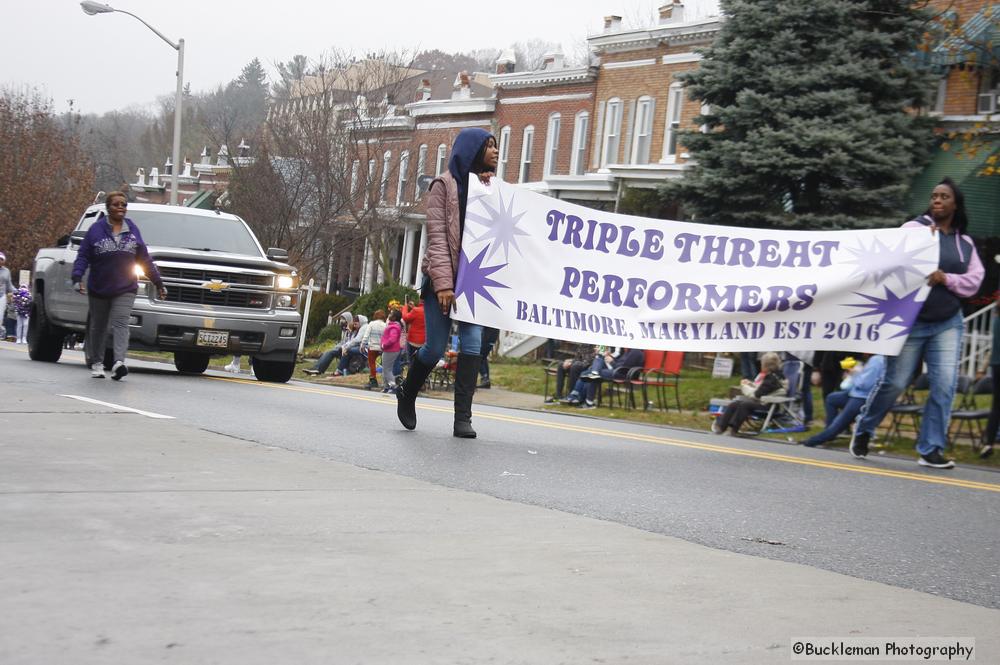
(62, 262)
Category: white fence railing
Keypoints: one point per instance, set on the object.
(978, 340)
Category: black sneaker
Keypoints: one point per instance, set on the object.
(859, 444)
(936, 460)
(119, 371)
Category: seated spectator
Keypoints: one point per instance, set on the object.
(602, 369)
(346, 335)
(572, 368)
(844, 405)
(768, 382)
(353, 348)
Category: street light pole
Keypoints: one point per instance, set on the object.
(91, 7)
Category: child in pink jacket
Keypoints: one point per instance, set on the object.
(391, 346)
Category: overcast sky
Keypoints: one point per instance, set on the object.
(111, 61)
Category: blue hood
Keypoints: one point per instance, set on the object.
(467, 145)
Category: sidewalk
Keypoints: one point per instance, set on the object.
(184, 546)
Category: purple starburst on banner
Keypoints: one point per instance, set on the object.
(899, 311)
(501, 225)
(878, 262)
(474, 278)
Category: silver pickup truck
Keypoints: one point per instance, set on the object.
(225, 295)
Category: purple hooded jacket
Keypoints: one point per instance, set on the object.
(112, 260)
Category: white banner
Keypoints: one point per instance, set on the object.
(536, 265)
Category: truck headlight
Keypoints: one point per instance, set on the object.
(287, 301)
(286, 282)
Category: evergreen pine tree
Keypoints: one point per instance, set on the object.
(809, 120)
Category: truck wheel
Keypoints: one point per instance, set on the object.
(190, 363)
(45, 340)
(273, 371)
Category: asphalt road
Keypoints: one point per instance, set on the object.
(884, 520)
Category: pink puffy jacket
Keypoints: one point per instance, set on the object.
(444, 239)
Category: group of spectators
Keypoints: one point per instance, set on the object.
(17, 305)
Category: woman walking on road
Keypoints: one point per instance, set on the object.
(474, 151)
(936, 336)
(112, 249)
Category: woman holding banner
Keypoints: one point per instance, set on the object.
(474, 151)
(936, 336)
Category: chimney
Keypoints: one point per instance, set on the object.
(168, 167)
(186, 173)
(423, 91)
(612, 23)
(244, 149)
(672, 12)
(206, 156)
(552, 61)
(154, 177)
(506, 62)
(461, 87)
(140, 177)
(223, 157)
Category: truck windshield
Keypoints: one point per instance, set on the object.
(216, 234)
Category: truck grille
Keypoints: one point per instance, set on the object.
(227, 298)
(201, 275)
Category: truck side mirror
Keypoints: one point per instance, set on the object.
(276, 254)
(76, 237)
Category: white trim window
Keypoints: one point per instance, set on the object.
(552, 143)
(355, 167)
(581, 125)
(370, 183)
(675, 100)
(504, 152)
(383, 185)
(421, 167)
(526, 150)
(401, 182)
(612, 132)
(442, 160)
(643, 136)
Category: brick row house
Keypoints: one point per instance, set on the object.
(578, 133)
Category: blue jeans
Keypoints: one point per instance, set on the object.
(939, 344)
(324, 360)
(438, 326)
(837, 422)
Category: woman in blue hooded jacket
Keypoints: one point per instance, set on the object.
(474, 152)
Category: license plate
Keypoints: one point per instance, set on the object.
(213, 338)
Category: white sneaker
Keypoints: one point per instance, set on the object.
(97, 370)
(232, 367)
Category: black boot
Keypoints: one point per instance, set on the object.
(465, 387)
(406, 392)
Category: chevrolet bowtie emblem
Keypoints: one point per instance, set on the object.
(215, 285)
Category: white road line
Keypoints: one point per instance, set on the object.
(119, 407)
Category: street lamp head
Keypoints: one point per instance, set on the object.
(91, 7)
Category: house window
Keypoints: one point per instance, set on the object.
(355, 167)
(581, 126)
(404, 168)
(421, 166)
(384, 183)
(369, 184)
(552, 143)
(643, 130)
(504, 151)
(529, 138)
(675, 100)
(441, 160)
(612, 132)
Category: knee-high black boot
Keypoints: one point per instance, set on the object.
(406, 392)
(465, 387)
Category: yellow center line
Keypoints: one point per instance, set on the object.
(648, 438)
